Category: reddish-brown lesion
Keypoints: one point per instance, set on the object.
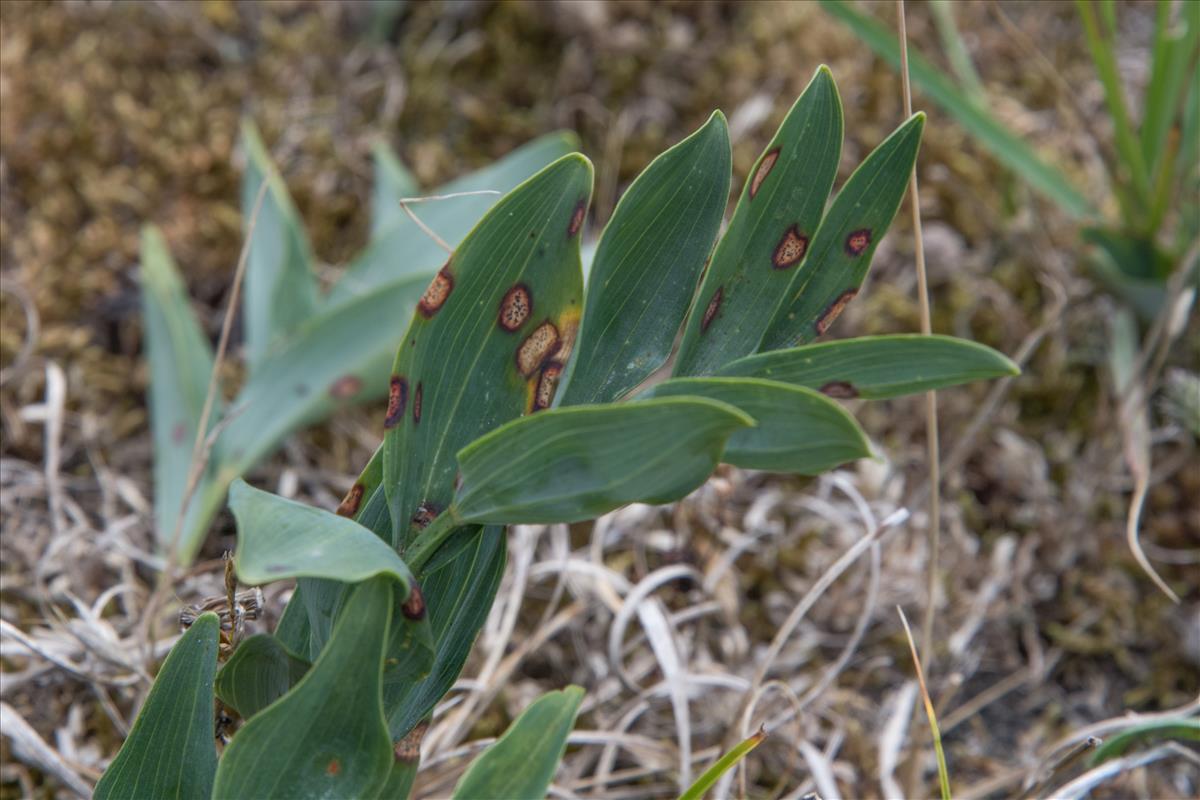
(414, 607)
(345, 387)
(577, 217)
(350, 503)
(397, 400)
(547, 384)
(790, 250)
(408, 749)
(858, 241)
(826, 320)
(425, 514)
(436, 293)
(417, 398)
(840, 390)
(537, 348)
(515, 307)
(714, 306)
(764, 169)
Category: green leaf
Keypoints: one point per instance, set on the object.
(1180, 728)
(522, 762)
(181, 361)
(327, 736)
(487, 340)
(1173, 62)
(280, 291)
(769, 237)
(841, 251)
(170, 753)
(797, 430)
(258, 673)
(725, 763)
(647, 266)
(292, 631)
(399, 248)
(877, 367)
(1007, 147)
(393, 182)
(577, 463)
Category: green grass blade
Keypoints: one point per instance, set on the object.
(1008, 148)
(647, 266)
(487, 342)
(522, 762)
(725, 763)
(878, 367)
(797, 430)
(258, 673)
(170, 753)
(393, 181)
(577, 463)
(842, 249)
(327, 736)
(942, 12)
(768, 238)
(280, 291)
(1179, 728)
(181, 361)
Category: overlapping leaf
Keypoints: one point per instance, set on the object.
(393, 182)
(577, 463)
(488, 338)
(258, 673)
(842, 249)
(521, 764)
(647, 266)
(770, 234)
(327, 737)
(877, 367)
(170, 751)
(796, 429)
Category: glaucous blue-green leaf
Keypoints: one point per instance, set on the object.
(576, 463)
(522, 762)
(488, 340)
(292, 631)
(842, 249)
(769, 236)
(327, 737)
(877, 367)
(180, 364)
(258, 673)
(796, 429)
(280, 291)
(170, 753)
(399, 248)
(647, 266)
(393, 182)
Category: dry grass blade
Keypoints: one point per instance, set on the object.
(943, 774)
(442, 243)
(33, 750)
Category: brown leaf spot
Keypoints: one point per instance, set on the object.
(426, 513)
(835, 308)
(333, 768)
(414, 606)
(436, 293)
(543, 396)
(840, 390)
(408, 749)
(417, 402)
(179, 433)
(790, 250)
(577, 217)
(397, 399)
(568, 330)
(349, 505)
(764, 169)
(516, 307)
(714, 305)
(537, 347)
(345, 387)
(857, 241)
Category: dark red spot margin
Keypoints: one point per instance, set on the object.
(397, 399)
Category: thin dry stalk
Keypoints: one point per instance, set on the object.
(442, 243)
(943, 775)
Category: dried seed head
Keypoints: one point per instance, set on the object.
(516, 307)
(408, 749)
(397, 399)
(436, 293)
(840, 390)
(764, 169)
(714, 305)
(577, 217)
(790, 250)
(537, 347)
(857, 241)
(835, 308)
(414, 606)
(345, 387)
(547, 383)
(417, 403)
(426, 513)
(350, 503)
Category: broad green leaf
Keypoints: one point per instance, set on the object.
(326, 738)
(181, 362)
(400, 248)
(170, 753)
(280, 290)
(1179, 728)
(522, 762)
(877, 367)
(399, 783)
(1130, 267)
(393, 182)
(841, 251)
(459, 593)
(292, 631)
(768, 240)
(258, 673)
(1008, 148)
(796, 429)
(647, 266)
(488, 338)
(723, 764)
(577, 463)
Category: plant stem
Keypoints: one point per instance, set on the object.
(430, 539)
